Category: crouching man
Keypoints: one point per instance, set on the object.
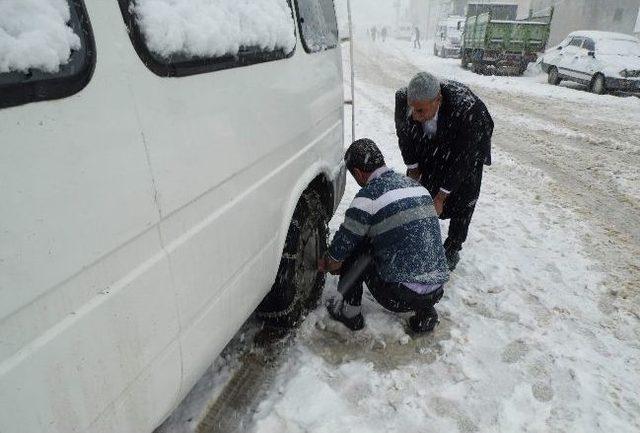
(390, 240)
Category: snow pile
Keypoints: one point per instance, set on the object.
(214, 28)
(34, 35)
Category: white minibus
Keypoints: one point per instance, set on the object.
(166, 167)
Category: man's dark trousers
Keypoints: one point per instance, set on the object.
(394, 297)
(459, 210)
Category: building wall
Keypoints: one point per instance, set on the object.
(607, 15)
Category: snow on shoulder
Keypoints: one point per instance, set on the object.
(34, 34)
(214, 28)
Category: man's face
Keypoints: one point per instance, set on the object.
(423, 111)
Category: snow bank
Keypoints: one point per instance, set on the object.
(213, 28)
(34, 35)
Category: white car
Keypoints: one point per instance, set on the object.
(601, 60)
(152, 172)
(404, 32)
(448, 37)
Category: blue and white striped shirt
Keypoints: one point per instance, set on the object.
(396, 214)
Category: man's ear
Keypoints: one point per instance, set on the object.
(357, 173)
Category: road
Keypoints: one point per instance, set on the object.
(540, 322)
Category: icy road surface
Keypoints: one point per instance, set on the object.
(540, 323)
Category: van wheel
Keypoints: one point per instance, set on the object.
(298, 284)
(554, 76)
(598, 85)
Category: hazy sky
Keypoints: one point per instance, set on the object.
(366, 12)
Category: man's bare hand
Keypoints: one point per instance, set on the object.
(438, 202)
(414, 173)
(327, 264)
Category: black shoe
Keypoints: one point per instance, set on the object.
(354, 323)
(424, 321)
(453, 257)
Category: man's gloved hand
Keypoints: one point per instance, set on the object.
(327, 264)
(414, 173)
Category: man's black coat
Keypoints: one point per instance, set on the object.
(454, 157)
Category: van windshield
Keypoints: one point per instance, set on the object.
(619, 47)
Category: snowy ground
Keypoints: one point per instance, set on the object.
(540, 322)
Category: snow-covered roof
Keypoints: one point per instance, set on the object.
(599, 35)
(34, 34)
(524, 23)
(206, 28)
(453, 19)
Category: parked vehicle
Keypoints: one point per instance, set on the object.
(499, 10)
(601, 60)
(509, 45)
(147, 199)
(404, 32)
(448, 38)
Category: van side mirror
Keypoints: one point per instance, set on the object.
(591, 54)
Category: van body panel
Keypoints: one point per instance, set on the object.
(143, 221)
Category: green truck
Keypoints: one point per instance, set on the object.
(507, 45)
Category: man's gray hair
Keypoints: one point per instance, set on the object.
(423, 87)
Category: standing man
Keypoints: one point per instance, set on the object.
(416, 41)
(390, 239)
(444, 132)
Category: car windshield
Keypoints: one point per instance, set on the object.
(453, 32)
(619, 47)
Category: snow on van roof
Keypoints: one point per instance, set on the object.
(599, 35)
(214, 28)
(34, 34)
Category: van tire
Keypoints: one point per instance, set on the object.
(598, 85)
(298, 284)
(553, 76)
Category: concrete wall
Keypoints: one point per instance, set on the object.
(607, 15)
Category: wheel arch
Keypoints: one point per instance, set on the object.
(318, 177)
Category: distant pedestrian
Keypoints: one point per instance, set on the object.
(444, 133)
(390, 239)
(383, 33)
(374, 32)
(416, 40)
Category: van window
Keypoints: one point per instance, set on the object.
(318, 24)
(48, 53)
(176, 38)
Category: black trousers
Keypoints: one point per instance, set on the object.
(458, 226)
(459, 208)
(394, 297)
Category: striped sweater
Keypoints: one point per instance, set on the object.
(397, 216)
